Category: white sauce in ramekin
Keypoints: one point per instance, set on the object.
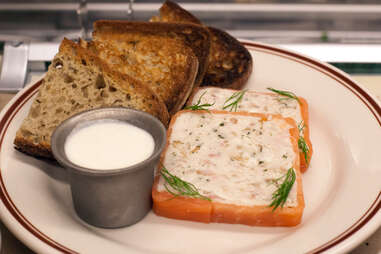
(108, 144)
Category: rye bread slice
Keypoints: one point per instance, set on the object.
(230, 63)
(170, 58)
(77, 81)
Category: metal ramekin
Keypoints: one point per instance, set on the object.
(111, 198)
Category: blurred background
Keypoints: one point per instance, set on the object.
(346, 33)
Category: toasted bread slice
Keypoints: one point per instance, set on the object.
(259, 102)
(236, 159)
(230, 63)
(172, 12)
(170, 58)
(77, 81)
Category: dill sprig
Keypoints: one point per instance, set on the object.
(233, 100)
(301, 126)
(304, 148)
(302, 142)
(199, 106)
(279, 197)
(180, 187)
(288, 94)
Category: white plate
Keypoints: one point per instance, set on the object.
(342, 187)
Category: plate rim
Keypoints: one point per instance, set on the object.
(8, 208)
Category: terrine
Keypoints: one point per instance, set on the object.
(237, 162)
(260, 102)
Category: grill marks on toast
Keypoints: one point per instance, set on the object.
(167, 57)
(230, 63)
(77, 81)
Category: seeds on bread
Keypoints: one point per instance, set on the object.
(170, 58)
(78, 80)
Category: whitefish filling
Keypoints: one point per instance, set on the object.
(252, 101)
(232, 159)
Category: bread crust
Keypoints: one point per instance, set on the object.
(195, 42)
(230, 63)
(33, 137)
(126, 82)
(171, 11)
(37, 150)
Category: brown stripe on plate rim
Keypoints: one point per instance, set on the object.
(373, 106)
(4, 195)
(372, 211)
(342, 79)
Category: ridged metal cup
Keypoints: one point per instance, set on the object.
(111, 198)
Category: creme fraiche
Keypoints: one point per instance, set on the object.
(108, 144)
